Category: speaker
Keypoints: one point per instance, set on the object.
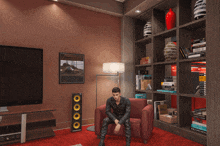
(76, 124)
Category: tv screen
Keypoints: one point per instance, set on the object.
(21, 75)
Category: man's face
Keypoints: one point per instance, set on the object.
(116, 96)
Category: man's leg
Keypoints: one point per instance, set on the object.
(104, 130)
(127, 125)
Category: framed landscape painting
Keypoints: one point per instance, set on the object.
(71, 68)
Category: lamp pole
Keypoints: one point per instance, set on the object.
(105, 75)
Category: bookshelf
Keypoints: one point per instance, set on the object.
(186, 29)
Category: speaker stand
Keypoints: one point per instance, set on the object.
(91, 128)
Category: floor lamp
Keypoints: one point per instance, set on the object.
(112, 67)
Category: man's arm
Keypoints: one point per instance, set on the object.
(108, 111)
(127, 114)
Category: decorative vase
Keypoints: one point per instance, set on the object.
(170, 19)
(200, 9)
(170, 51)
(147, 29)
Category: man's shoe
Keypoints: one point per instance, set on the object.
(101, 143)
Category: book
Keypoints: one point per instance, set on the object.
(194, 56)
(156, 111)
(203, 128)
(202, 84)
(182, 53)
(198, 130)
(159, 90)
(162, 109)
(199, 49)
(198, 123)
(168, 83)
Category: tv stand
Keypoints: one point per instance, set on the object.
(25, 123)
(3, 109)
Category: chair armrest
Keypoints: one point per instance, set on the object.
(99, 116)
(147, 120)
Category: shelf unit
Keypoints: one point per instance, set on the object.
(26, 123)
(186, 28)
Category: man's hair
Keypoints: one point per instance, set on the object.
(115, 89)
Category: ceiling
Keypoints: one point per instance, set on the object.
(117, 8)
(120, 0)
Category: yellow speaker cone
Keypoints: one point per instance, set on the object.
(76, 107)
(77, 98)
(76, 125)
(76, 116)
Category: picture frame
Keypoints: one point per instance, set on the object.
(71, 68)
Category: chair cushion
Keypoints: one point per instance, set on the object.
(135, 128)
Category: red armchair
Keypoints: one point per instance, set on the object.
(141, 119)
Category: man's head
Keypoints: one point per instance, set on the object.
(116, 93)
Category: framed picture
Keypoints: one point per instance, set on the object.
(71, 68)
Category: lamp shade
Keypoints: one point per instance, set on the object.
(113, 67)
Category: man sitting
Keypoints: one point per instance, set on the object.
(121, 115)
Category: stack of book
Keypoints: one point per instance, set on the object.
(169, 85)
(202, 84)
(199, 125)
(198, 49)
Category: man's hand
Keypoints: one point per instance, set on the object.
(116, 122)
(117, 128)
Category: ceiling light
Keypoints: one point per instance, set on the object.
(137, 11)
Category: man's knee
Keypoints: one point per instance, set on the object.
(106, 120)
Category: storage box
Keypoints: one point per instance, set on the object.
(145, 60)
(142, 96)
(168, 118)
(144, 84)
(164, 116)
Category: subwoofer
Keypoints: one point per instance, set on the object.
(76, 124)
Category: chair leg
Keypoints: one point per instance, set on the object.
(98, 136)
(145, 142)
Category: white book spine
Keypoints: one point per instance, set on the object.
(199, 49)
(197, 44)
(201, 124)
(168, 83)
(195, 55)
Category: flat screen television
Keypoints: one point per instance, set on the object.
(21, 76)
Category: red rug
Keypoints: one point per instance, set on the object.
(88, 138)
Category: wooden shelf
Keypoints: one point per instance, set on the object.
(193, 59)
(166, 93)
(31, 118)
(146, 91)
(39, 133)
(167, 33)
(145, 40)
(192, 95)
(165, 63)
(144, 65)
(194, 24)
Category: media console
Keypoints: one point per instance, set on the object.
(25, 123)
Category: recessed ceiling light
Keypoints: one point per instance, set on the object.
(137, 11)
